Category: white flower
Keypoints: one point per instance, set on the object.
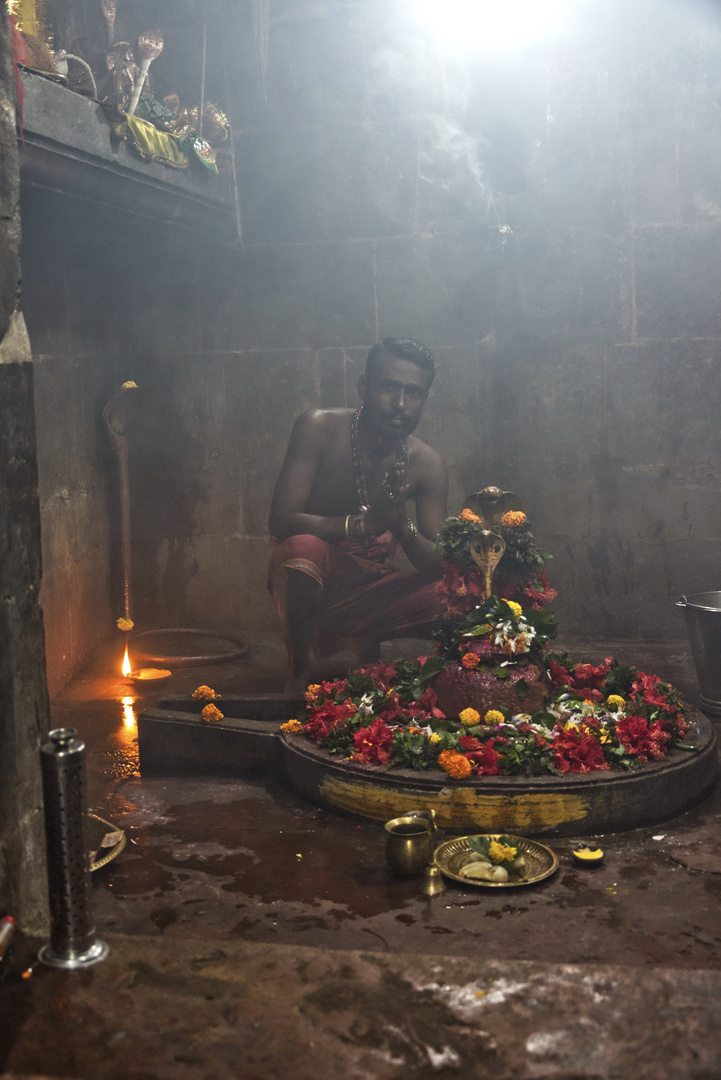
(365, 706)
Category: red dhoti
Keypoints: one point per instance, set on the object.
(362, 595)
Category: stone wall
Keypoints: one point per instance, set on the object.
(548, 221)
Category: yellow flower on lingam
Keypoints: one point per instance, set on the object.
(130, 385)
(210, 714)
(291, 727)
(615, 701)
(126, 625)
(468, 515)
(501, 852)
(515, 608)
(494, 716)
(469, 717)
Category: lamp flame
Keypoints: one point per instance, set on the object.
(127, 669)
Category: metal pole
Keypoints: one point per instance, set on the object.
(73, 941)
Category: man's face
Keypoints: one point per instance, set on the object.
(394, 395)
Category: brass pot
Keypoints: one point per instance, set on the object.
(410, 844)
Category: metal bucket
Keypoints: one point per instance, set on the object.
(702, 612)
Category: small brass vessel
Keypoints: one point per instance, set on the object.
(410, 844)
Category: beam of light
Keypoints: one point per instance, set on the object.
(126, 663)
(484, 25)
(129, 720)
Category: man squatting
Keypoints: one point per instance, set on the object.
(339, 518)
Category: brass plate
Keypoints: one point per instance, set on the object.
(97, 830)
(540, 861)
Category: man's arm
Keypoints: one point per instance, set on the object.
(431, 512)
(292, 490)
(431, 499)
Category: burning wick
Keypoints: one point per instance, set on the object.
(148, 674)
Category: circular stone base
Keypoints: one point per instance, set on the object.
(571, 805)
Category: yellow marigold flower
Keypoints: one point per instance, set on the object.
(515, 608)
(494, 716)
(615, 701)
(210, 713)
(455, 764)
(513, 518)
(291, 727)
(205, 693)
(126, 625)
(468, 515)
(469, 717)
(312, 692)
(130, 385)
(434, 737)
(470, 661)
(501, 852)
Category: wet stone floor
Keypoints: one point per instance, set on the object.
(256, 936)
(218, 858)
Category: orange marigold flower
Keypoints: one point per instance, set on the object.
(513, 518)
(470, 661)
(291, 727)
(205, 693)
(210, 713)
(469, 717)
(456, 765)
(414, 731)
(312, 692)
(468, 515)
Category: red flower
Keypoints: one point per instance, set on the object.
(429, 701)
(384, 674)
(330, 689)
(486, 761)
(470, 742)
(642, 739)
(577, 751)
(374, 744)
(648, 685)
(393, 709)
(587, 676)
(559, 675)
(324, 719)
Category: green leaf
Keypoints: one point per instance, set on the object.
(500, 672)
(522, 689)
